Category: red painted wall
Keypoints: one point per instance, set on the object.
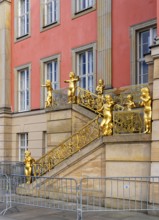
(71, 33)
(157, 18)
(126, 13)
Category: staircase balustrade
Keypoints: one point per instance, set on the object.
(72, 145)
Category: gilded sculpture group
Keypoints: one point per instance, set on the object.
(102, 105)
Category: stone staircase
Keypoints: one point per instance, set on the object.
(67, 148)
(87, 138)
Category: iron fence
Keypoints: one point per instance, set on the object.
(45, 192)
(11, 167)
(119, 194)
(5, 194)
(88, 195)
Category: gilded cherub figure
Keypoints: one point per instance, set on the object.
(99, 91)
(28, 160)
(106, 125)
(146, 102)
(72, 87)
(129, 102)
(49, 100)
(100, 87)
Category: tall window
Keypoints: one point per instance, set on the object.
(83, 4)
(85, 69)
(24, 89)
(145, 39)
(23, 145)
(23, 17)
(50, 12)
(51, 73)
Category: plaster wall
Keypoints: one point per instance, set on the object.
(61, 39)
(124, 15)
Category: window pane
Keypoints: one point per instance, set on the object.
(22, 154)
(51, 73)
(22, 80)
(83, 82)
(23, 21)
(27, 5)
(55, 71)
(144, 43)
(82, 64)
(90, 83)
(85, 70)
(22, 140)
(23, 145)
(27, 99)
(50, 12)
(143, 77)
(145, 37)
(22, 7)
(83, 4)
(24, 99)
(145, 40)
(90, 62)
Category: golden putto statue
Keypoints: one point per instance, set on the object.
(29, 161)
(106, 125)
(100, 87)
(49, 100)
(129, 102)
(72, 87)
(146, 103)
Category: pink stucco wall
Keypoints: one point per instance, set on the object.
(126, 13)
(71, 33)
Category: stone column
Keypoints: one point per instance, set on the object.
(5, 54)
(5, 63)
(155, 121)
(104, 68)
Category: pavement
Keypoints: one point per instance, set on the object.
(35, 213)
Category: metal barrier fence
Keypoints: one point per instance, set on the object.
(5, 194)
(119, 194)
(91, 194)
(11, 167)
(53, 193)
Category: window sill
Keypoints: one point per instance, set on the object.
(83, 12)
(49, 26)
(24, 37)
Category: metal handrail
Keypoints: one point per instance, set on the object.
(67, 148)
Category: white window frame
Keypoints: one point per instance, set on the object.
(140, 58)
(24, 92)
(22, 147)
(17, 106)
(76, 53)
(51, 75)
(54, 19)
(134, 30)
(44, 75)
(82, 7)
(20, 17)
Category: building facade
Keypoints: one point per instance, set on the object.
(46, 39)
